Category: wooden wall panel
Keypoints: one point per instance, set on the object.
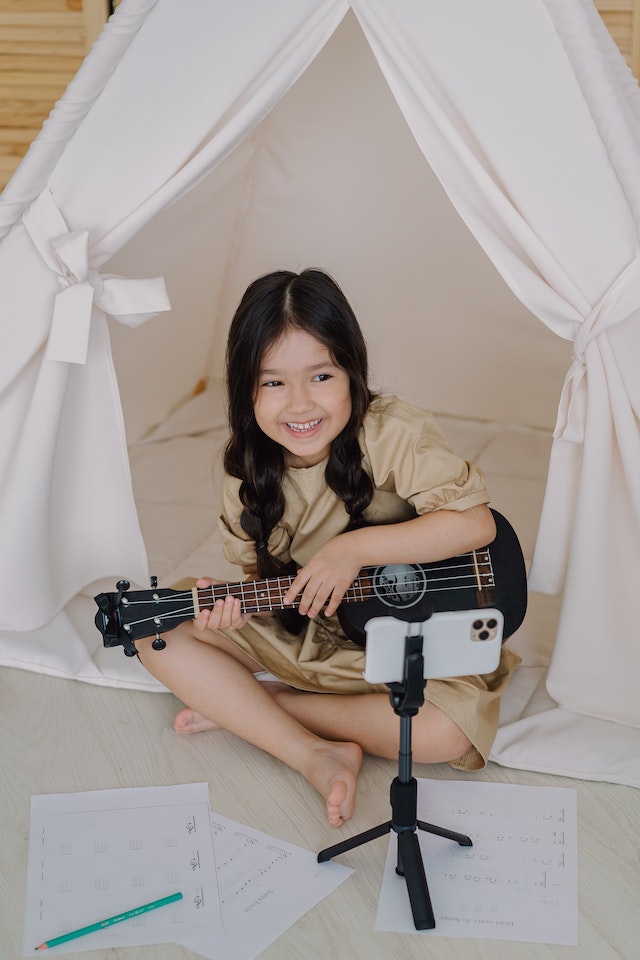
(42, 44)
(622, 19)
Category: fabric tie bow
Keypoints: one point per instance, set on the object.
(618, 303)
(66, 253)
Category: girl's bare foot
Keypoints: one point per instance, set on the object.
(333, 770)
(190, 721)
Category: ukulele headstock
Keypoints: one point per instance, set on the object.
(111, 618)
(124, 617)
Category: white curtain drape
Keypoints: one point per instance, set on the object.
(105, 165)
(540, 163)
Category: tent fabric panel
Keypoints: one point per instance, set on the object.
(192, 243)
(597, 632)
(587, 289)
(138, 107)
(68, 113)
(67, 511)
(374, 214)
(607, 84)
(575, 264)
(111, 215)
(479, 127)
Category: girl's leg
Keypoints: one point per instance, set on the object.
(189, 720)
(221, 687)
(368, 719)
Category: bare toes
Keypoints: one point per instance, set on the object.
(334, 774)
(190, 721)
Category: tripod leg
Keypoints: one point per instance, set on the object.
(460, 838)
(356, 841)
(411, 866)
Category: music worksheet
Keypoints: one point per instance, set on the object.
(266, 885)
(97, 854)
(519, 879)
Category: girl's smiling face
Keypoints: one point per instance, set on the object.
(303, 398)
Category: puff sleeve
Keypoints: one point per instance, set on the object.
(408, 455)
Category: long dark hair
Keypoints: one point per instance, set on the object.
(280, 301)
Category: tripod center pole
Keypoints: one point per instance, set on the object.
(404, 753)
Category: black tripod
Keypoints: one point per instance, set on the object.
(406, 699)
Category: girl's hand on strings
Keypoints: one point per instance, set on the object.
(226, 613)
(324, 579)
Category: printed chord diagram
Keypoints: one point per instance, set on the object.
(244, 841)
(191, 826)
(198, 898)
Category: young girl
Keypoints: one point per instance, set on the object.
(325, 476)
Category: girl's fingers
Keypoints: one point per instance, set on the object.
(204, 582)
(313, 588)
(315, 597)
(295, 589)
(202, 620)
(226, 613)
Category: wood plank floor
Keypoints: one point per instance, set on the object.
(62, 736)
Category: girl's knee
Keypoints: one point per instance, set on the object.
(436, 738)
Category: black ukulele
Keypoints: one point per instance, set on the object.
(494, 576)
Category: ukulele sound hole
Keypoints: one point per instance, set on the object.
(399, 585)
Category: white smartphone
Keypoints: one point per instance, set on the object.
(455, 644)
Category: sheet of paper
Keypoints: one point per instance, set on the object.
(266, 885)
(519, 879)
(97, 854)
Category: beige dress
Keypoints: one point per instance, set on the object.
(413, 472)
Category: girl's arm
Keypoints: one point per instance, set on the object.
(427, 538)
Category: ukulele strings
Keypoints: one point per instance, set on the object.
(259, 592)
(262, 593)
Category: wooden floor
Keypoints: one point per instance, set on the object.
(63, 736)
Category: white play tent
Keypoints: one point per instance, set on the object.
(207, 142)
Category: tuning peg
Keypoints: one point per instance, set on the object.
(159, 643)
(153, 583)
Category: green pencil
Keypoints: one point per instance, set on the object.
(127, 915)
